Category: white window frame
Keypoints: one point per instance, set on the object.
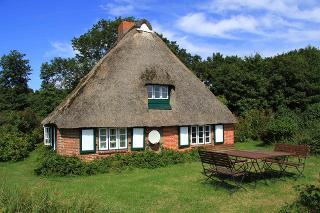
(46, 136)
(204, 137)
(106, 141)
(161, 87)
(117, 147)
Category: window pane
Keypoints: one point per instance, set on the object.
(112, 132)
(113, 138)
(164, 92)
(156, 91)
(149, 88)
(194, 140)
(122, 131)
(103, 145)
(103, 138)
(103, 132)
(201, 134)
(113, 144)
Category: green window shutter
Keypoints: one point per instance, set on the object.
(51, 136)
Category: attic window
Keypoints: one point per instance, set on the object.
(158, 97)
(157, 92)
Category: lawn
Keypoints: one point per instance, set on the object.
(178, 188)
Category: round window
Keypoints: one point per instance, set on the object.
(154, 137)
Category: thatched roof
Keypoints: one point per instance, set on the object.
(114, 94)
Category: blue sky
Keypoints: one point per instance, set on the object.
(44, 29)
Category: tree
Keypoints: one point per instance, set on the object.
(90, 47)
(14, 77)
(61, 73)
(94, 44)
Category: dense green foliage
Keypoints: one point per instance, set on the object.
(14, 76)
(308, 200)
(51, 164)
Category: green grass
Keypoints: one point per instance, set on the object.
(178, 188)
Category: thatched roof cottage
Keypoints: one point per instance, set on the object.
(138, 96)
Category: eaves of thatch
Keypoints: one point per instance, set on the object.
(114, 94)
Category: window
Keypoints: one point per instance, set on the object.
(49, 136)
(112, 138)
(158, 97)
(46, 138)
(157, 92)
(103, 142)
(87, 141)
(201, 134)
(218, 134)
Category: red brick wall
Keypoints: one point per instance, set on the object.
(68, 141)
(170, 137)
(228, 134)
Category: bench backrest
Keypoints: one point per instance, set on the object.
(302, 150)
(206, 157)
(221, 160)
(299, 150)
(220, 148)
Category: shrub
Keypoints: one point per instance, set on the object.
(310, 135)
(308, 200)
(13, 145)
(252, 125)
(51, 164)
(282, 127)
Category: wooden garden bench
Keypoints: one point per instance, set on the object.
(220, 148)
(219, 164)
(299, 153)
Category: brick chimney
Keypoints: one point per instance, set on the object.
(124, 27)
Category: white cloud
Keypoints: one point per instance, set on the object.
(199, 24)
(285, 8)
(118, 9)
(60, 49)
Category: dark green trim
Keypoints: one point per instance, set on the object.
(215, 134)
(94, 141)
(54, 147)
(163, 104)
(183, 146)
(144, 140)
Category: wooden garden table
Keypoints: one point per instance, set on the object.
(255, 156)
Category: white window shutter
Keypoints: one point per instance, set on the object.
(184, 136)
(87, 140)
(138, 138)
(218, 133)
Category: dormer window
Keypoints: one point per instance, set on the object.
(158, 97)
(157, 92)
